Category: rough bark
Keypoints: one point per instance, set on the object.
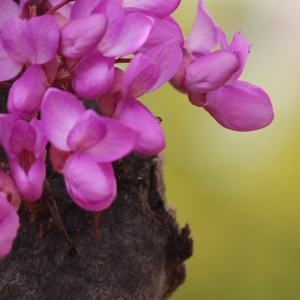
(134, 250)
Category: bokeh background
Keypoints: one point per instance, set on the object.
(240, 192)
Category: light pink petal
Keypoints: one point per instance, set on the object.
(8, 9)
(8, 67)
(9, 225)
(64, 11)
(120, 140)
(25, 95)
(83, 8)
(209, 72)
(39, 38)
(41, 141)
(81, 36)
(240, 106)
(162, 31)
(91, 185)
(60, 111)
(14, 32)
(30, 184)
(135, 31)
(7, 121)
(160, 8)
(93, 76)
(169, 57)
(44, 33)
(140, 76)
(205, 33)
(138, 117)
(87, 132)
(9, 190)
(240, 47)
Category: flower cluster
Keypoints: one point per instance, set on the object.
(72, 101)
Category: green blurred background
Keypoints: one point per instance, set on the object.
(240, 192)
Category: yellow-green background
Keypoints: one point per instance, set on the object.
(240, 192)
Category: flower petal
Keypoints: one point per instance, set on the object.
(120, 140)
(209, 72)
(93, 76)
(135, 115)
(91, 185)
(25, 95)
(60, 111)
(160, 8)
(240, 106)
(205, 33)
(9, 225)
(135, 31)
(8, 9)
(81, 36)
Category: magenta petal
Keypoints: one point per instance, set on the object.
(135, 31)
(240, 106)
(91, 185)
(26, 93)
(8, 67)
(241, 48)
(163, 30)
(83, 8)
(160, 8)
(140, 76)
(30, 185)
(81, 36)
(44, 46)
(205, 33)
(120, 140)
(9, 225)
(60, 111)
(8, 9)
(169, 57)
(87, 132)
(93, 75)
(138, 117)
(209, 72)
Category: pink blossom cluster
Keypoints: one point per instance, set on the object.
(60, 58)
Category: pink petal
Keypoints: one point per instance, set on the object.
(83, 8)
(160, 8)
(163, 30)
(205, 33)
(44, 46)
(8, 67)
(135, 115)
(93, 76)
(81, 36)
(37, 47)
(135, 31)
(60, 111)
(240, 106)
(91, 185)
(240, 47)
(26, 93)
(87, 132)
(209, 72)
(120, 140)
(9, 225)
(30, 185)
(8, 10)
(9, 190)
(140, 76)
(169, 57)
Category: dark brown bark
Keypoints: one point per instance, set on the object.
(134, 250)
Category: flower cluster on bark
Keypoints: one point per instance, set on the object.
(60, 58)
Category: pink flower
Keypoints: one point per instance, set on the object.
(92, 141)
(9, 225)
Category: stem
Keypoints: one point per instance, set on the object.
(58, 6)
(123, 60)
